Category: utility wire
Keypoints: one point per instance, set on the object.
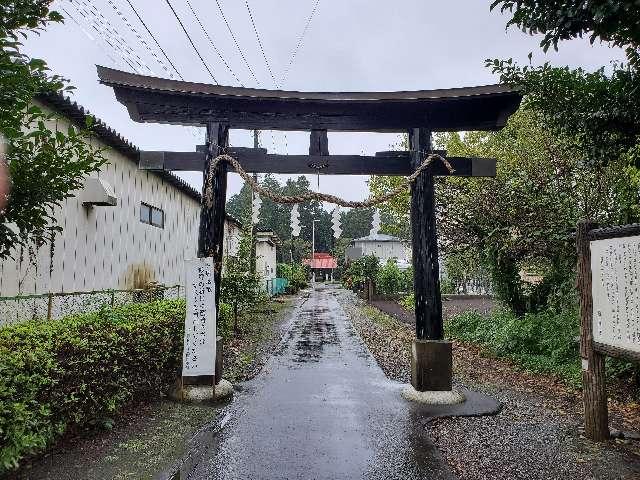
(244, 59)
(264, 55)
(87, 34)
(191, 41)
(131, 53)
(140, 39)
(212, 44)
(96, 24)
(300, 41)
(154, 39)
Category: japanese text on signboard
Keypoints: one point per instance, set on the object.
(200, 322)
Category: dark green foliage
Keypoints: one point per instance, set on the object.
(277, 217)
(356, 272)
(63, 374)
(295, 274)
(390, 280)
(31, 14)
(47, 161)
(615, 21)
(356, 222)
(598, 111)
(540, 342)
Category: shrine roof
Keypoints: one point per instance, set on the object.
(160, 100)
(321, 260)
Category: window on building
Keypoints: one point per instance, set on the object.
(151, 215)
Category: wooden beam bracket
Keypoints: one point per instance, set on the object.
(318, 143)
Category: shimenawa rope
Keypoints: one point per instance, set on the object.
(323, 197)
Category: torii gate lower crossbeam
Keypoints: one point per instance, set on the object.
(219, 108)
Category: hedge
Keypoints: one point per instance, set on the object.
(63, 374)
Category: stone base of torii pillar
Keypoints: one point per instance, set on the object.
(431, 374)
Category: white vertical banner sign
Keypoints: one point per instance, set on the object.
(199, 357)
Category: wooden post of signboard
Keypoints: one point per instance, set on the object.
(594, 387)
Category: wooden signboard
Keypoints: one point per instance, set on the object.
(609, 288)
(199, 356)
(615, 287)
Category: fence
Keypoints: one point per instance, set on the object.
(57, 305)
(277, 286)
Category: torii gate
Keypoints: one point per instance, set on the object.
(219, 108)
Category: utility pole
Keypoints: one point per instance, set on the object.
(256, 144)
(313, 245)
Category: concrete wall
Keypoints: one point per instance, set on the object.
(385, 250)
(266, 259)
(108, 247)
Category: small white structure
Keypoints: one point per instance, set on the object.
(384, 247)
(125, 229)
(266, 253)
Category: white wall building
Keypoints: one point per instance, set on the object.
(266, 249)
(384, 247)
(143, 238)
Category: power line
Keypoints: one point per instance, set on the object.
(191, 41)
(154, 39)
(142, 41)
(264, 55)
(300, 41)
(93, 20)
(131, 52)
(87, 34)
(236, 43)
(212, 44)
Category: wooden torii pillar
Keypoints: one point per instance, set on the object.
(431, 356)
(212, 216)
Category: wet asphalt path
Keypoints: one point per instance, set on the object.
(321, 409)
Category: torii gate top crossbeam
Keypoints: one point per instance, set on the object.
(158, 100)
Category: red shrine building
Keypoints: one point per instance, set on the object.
(321, 265)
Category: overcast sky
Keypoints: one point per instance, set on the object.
(360, 45)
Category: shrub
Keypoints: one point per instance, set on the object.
(62, 374)
(390, 280)
(295, 274)
(541, 342)
(240, 287)
(359, 270)
(409, 302)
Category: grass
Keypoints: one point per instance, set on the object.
(255, 329)
(380, 318)
(537, 342)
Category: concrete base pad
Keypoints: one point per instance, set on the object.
(476, 404)
(203, 393)
(443, 397)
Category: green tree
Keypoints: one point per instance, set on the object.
(616, 21)
(46, 163)
(239, 205)
(240, 286)
(356, 222)
(598, 112)
(523, 218)
(277, 217)
(395, 214)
